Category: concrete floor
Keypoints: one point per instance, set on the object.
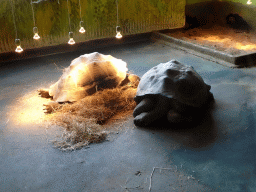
(218, 154)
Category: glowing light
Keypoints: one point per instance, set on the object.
(75, 75)
(118, 35)
(249, 2)
(228, 43)
(28, 109)
(245, 47)
(82, 30)
(215, 39)
(18, 49)
(36, 36)
(18, 44)
(71, 40)
(118, 32)
(79, 70)
(120, 67)
(118, 28)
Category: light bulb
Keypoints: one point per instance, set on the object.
(118, 32)
(82, 30)
(71, 40)
(18, 48)
(249, 2)
(36, 36)
(118, 35)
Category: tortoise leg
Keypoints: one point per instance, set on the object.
(145, 105)
(134, 80)
(44, 93)
(161, 108)
(131, 80)
(51, 107)
(175, 117)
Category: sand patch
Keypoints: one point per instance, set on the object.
(219, 38)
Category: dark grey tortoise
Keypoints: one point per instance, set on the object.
(173, 90)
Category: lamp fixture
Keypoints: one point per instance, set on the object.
(81, 30)
(118, 28)
(35, 29)
(17, 41)
(71, 34)
(18, 46)
(118, 32)
(71, 39)
(36, 36)
(249, 2)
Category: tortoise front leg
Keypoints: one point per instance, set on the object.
(44, 93)
(160, 109)
(175, 117)
(51, 107)
(145, 105)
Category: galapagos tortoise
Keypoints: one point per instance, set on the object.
(86, 75)
(171, 89)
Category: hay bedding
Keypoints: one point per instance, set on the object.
(224, 39)
(99, 88)
(84, 120)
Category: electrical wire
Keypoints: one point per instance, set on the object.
(80, 10)
(68, 17)
(33, 13)
(117, 19)
(14, 22)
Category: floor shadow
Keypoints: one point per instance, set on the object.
(198, 134)
(237, 22)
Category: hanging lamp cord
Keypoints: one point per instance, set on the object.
(117, 13)
(68, 17)
(15, 28)
(80, 10)
(33, 13)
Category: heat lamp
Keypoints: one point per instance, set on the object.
(71, 35)
(118, 32)
(71, 39)
(18, 44)
(36, 36)
(17, 41)
(82, 30)
(35, 29)
(118, 28)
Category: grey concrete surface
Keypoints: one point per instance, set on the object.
(217, 154)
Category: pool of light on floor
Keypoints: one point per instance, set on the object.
(28, 109)
(228, 42)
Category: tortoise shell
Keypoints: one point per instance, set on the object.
(175, 81)
(87, 74)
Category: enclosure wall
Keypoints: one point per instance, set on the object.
(54, 21)
(210, 13)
